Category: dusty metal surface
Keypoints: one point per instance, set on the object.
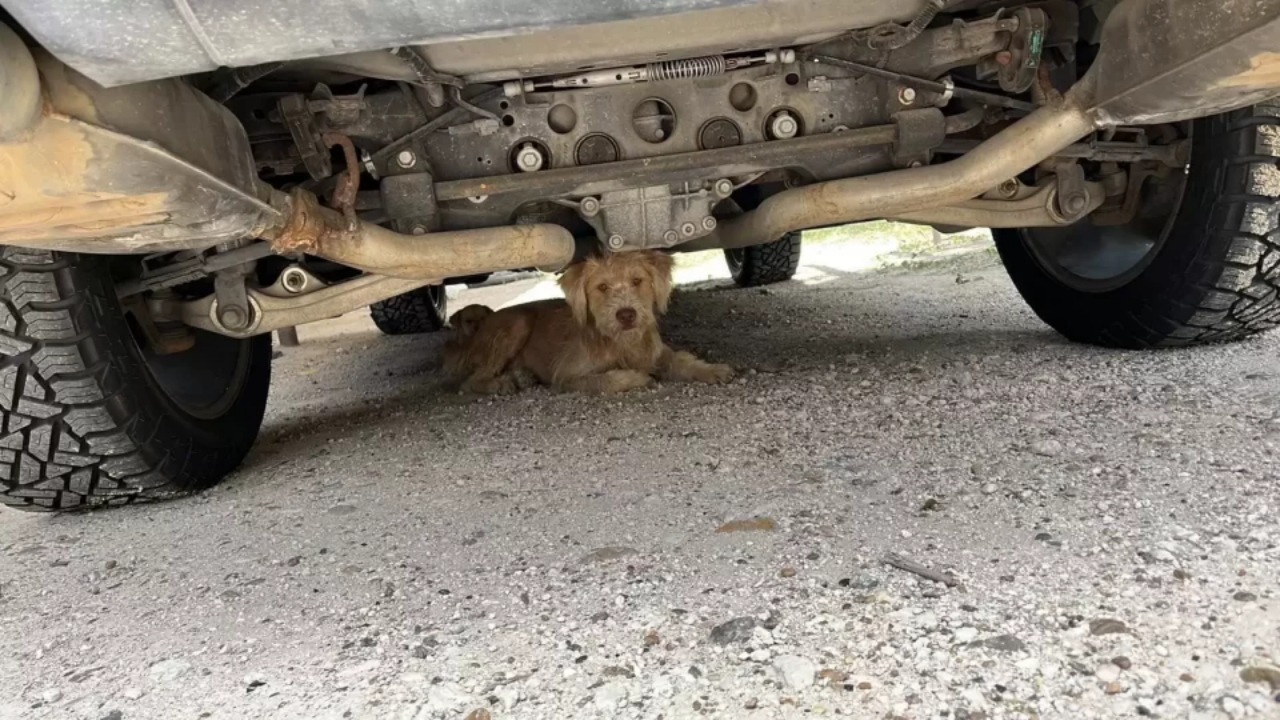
(1012, 151)
(1167, 60)
(702, 164)
(1037, 209)
(150, 167)
(272, 313)
(315, 230)
(19, 86)
(123, 41)
(79, 187)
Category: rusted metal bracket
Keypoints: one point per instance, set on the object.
(344, 194)
(1019, 73)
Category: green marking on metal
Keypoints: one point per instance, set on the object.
(1037, 44)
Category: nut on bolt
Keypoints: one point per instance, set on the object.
(406, 159)
(906, 95)
(688, 229)
(670, 237)
(616, 242)
(294, 279)
(589, 206)
(723, 187)
(708, 223)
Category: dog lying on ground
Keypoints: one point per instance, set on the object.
(464, 325)
(602, 338)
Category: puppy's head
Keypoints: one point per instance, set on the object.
(619, 293)
(466, 321)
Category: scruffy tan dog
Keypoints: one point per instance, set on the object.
(602, 338)
(464, 324)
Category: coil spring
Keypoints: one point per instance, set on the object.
(683, 69)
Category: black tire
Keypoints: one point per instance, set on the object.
(765, 264)
(418, 311)
(1212, 272)
(90, 418)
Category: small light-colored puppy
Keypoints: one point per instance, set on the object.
(603, 337)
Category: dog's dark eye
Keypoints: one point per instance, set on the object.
(603, 287)
(635, 282)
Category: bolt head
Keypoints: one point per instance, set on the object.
(783, 126)
(688, 229)
(232, 318)
(406, 159)
(670, 237)
(907, 95)
(708, 223)
(590, 206)
(616, 241)
(418, 230)
(1076, 204)
(529, 158)
(724, 187)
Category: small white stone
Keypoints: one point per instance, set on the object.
(168, 670)
(507, 696)
(51, 696)
(797, 673)
(609, 696)
(989, 489)
(362, 668)
(761, 655)
(1047, 448)
(132, 693)
(1028, 664)
(1232, 706)
(662, 686)
(1107, 673)
(966, 634)
(761, 637)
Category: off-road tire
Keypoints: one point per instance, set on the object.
(1216, 277)
(84, 421)
(418, 311)
(765, 264)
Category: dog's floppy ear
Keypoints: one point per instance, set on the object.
(659, 264)
(574, 284)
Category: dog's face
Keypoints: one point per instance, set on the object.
(619, 293)
(466, 321)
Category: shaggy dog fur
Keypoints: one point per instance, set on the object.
(464, 324)
(602, 338)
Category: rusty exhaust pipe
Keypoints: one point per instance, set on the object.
(1039, 135)
(315, 230)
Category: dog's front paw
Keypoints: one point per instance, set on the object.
(714, 374)
(624, 380)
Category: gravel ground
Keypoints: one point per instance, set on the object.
(1111, 521)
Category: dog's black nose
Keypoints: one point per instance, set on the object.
(626, 316)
